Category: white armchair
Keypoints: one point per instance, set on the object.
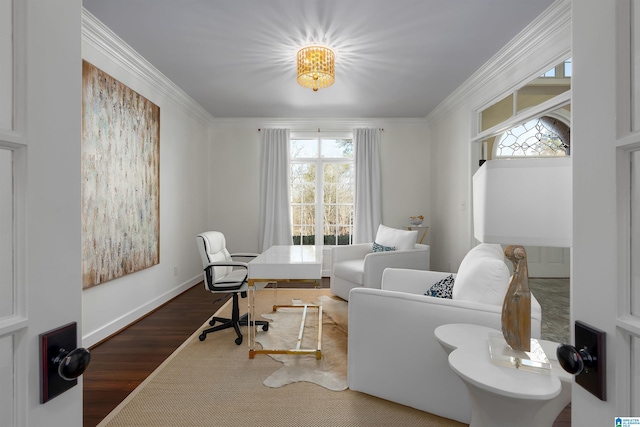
(359, 266)
(393, 353)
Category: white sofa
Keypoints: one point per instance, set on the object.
(359, 266)
(393, 353)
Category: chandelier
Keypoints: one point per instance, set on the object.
(316, 67)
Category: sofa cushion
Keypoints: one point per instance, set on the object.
(442, 288)
(377, 247)
(483, 275)
(395, 238)
(351, 270)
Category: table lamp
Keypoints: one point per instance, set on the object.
(522, 202)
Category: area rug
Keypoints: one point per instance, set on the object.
(214, 383)
(330, 371)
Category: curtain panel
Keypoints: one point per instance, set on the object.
(275, 206)
(368, 197)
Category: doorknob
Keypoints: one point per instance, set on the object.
(573, 360)
(72, 364)
(586, 360)
(61, 363)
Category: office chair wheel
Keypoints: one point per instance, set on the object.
(212, 322)
(265, 327)
(202, 336)
(239, 340)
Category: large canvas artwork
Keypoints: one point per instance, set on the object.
(120, 179)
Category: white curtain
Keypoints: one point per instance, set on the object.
(368, 202)
(275, 207)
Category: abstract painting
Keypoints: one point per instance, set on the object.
(120, 179)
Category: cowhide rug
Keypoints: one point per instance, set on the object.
(331, 370)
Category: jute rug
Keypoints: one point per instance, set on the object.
(214, 383)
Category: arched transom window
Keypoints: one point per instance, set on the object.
(543, 136)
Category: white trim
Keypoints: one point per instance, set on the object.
(136, 314)
(17, 140)
(12, 325)
(346, 134)
(11, 139)
(100, 37)
(324, 124)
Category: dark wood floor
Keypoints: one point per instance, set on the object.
(119, 364)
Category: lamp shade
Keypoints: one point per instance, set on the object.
(524, 201)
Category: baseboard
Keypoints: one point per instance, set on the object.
(124, 321)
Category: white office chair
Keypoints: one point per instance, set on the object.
(224, 275)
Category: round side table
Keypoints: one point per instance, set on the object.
(502, 396)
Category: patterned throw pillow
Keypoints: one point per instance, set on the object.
(380, 248)
(443, 288)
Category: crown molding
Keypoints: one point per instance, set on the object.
(100, 37)
(551, 30)
(325, 124)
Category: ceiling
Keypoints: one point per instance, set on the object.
(394, 58)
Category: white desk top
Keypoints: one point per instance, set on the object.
(470, 359)
(287, 262)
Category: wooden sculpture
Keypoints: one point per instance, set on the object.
(516, 309)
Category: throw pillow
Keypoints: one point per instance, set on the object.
(483, 275)
(442, 288)
(395, 238)
(381, 248)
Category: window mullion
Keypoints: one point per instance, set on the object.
(319, 201)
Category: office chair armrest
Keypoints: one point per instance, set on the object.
(227, 264)
(244, 255)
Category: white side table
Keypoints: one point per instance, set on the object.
(502, 396)
(419, 227)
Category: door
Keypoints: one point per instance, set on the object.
(548, 262)
(13, 321)
(40, 178)
(605, 146)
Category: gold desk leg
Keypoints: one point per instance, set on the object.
(298, 350)
(251, 315)
(319, 350)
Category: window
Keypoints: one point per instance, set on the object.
(554, 84)
(561, 70)
(544, 136)
(322, 190)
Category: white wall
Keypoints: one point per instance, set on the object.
(185, 137)
(544, 43)
(235, 160)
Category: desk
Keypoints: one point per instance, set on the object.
(283, 264)
(502, 396)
